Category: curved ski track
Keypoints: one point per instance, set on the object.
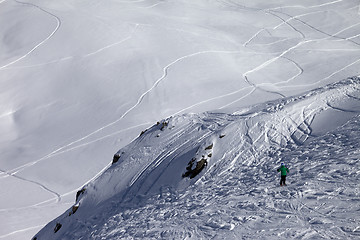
(166, 68)
(58, 24)
(165, 73)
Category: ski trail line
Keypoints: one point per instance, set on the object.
(43, 41)
(285, 22)
(340, 70)
(325, 4)
(318, 30)
(271, 43)
(40, 185)
(113, 44)
(325, 78)
(62, 59)
(301, 71)
(165, 72)
(151, 6)
(253, 37)
(37, 205)
(212, 99)
(237, 100)
(268, 62)
(308, 41)
(22, 230)
(59, 151)
(268, 11)
(314, 6)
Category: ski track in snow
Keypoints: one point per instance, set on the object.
(285, 22)
(251, 86)
(297, 18)
(13, 172)
(315, 83)
(282, 55)
(245, 74)
(151, 6)
(58, 24)
(258, 68)
(61, 150)
(285, 52)
(40, 205)
(91, 54)
(314, 6)
(6, 236)
(263, 65)
(57, 195)
(152, 165)
(113, 44)
(230, 204)
(165, 70)
(292, 195)
(301, 43)
(140, 99)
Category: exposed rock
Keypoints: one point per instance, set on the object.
(189, 168)
(209, 147)
(117, 157)
(142, 132)
(198, 168)
(164, 125)
(57, 227)
(79, 193)
(73, 209)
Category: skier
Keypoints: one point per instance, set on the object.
(284, 170)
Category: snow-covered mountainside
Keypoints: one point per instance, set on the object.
(80, 79)
(214, 174)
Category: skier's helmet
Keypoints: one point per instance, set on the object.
(282, 164)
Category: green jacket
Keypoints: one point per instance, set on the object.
(284, 170)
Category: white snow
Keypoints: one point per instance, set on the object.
(81, 79)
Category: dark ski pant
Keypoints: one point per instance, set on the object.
(283, 180)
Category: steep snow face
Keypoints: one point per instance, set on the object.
(235, 194)
(80, 79)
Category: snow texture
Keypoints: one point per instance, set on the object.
(237, 196)
(240, 86)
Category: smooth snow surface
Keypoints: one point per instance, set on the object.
(80, 80)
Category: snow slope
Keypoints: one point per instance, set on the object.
(81, 79)
(145, 195)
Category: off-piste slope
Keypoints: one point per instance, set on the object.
(80, 79)
(214, 175)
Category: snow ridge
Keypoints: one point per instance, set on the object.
(241, 150)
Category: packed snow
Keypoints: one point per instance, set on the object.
(243, 85)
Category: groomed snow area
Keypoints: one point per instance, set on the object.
(260, 81)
